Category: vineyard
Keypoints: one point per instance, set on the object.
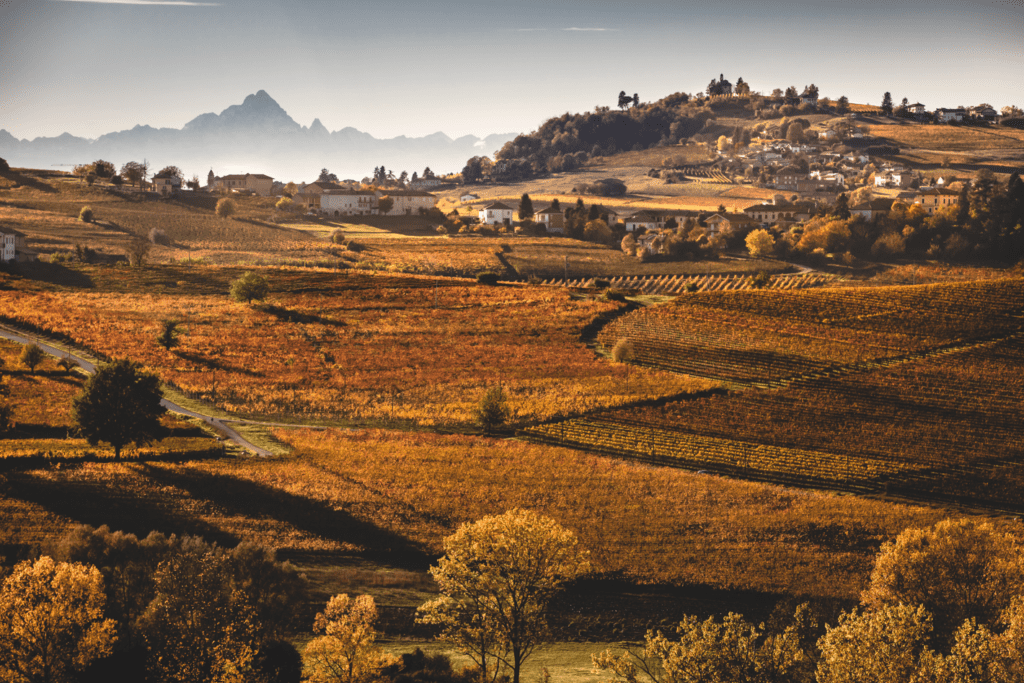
(701, 174)
(393, 496)
(678, 284)
(913, 391)
(346, 346)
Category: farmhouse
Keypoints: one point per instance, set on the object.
(644, 219)
(166, 183)
(789, 178)
(947, 115)
(408, 202)
(932, 200)
(348, 202)
(309, 195)
(718, 223)
(12, 246)
(873, 208)
(496, 213)
(250, 182)
(766, 214)
(551, 218)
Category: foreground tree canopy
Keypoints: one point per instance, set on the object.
(120, 404)
(497, 578)
(51, 621)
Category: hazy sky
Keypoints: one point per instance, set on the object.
(413, 67)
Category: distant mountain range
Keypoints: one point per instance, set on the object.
(256, 136)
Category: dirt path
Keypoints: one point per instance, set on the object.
(219, 424)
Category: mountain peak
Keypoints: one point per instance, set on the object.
(260, 100)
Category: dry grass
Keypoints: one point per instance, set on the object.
(951, 138)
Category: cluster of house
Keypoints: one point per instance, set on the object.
(350, 199)
(982, 112)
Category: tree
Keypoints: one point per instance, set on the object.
(624, 100)
(51, 621)
(344, 651)
(135, 172)
(525, 207)
(291, 189)
(249, 287)
(493, 411)
(795, 132)
(86, 215)
(884, 646)
(730, 651)
(171, 171)
(958, 569)
(31, 356)
(427, 173)
(137, 251)
(103, 169)
(887, 104)
(622, 352)
(326, 176)
(628, 245)
(384, 205)
(723, 143)
(760, 243)
(120, 404)
(842, 208)
(496, 578)
(168, 337)
(225, 207)
(285, 204)
(196, 627)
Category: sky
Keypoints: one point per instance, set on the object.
(416, 67)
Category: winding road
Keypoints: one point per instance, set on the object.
(222, 426)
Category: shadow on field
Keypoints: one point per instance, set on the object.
(53, 273)
(215, 363)
(289, 316)
(98, 503)
(238, 496)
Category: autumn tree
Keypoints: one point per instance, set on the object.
(120, 404)
(887, 645)
(496, 578)
(249, 287)
(760, 243)
(384, 205)
(135, 172)
(51, 621)
(197, 628)
(729, 651)
(86, 215)
(225, 208)
(31, 356)
(171, 171)
(103, 169)
(958, 570)
(344, 650)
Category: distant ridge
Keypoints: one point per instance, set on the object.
(255, 136)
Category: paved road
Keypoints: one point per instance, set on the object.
(222, 426)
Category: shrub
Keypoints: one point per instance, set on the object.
(622, 352)
(761, 280)
(249, 287)
(488, 277)
(285, 204)
(86, 215)
(338, 237)
(691, 286)
(226, 207)
(493, 411)
(158, 236)
(441, 230)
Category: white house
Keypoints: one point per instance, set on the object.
(408, 202)
(166, 184)
(12, 246)
(496, 214)
(469, 197)
(947, 115)
(348, 202)
(643, 219)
